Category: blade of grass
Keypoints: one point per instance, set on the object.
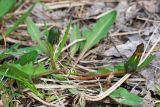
(75, 35)
(6, 6)
(33, 30)
(100, 30)
(85, 32)
(19, 21)
(62, 43)
(35, 34)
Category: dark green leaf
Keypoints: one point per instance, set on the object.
(54, 34)
(132, 64)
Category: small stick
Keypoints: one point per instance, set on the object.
(107, 92)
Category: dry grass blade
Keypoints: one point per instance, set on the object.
(51, 86)
(71, 44)
(40, 100)
(66, 4)
(8, 39)
(107, 92)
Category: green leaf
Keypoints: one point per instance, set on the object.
(122, 96)
(53, 36)
(13, 50)
(132, 64)
(148, 60)
(15, 72)
(19, 21)
(33, 70)
(27, 57)
(26, 71)
(75, 35)
(33, 30)
(85, 31)
(6, 6)
(36, 35)
(64, 40)
(99, 30)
